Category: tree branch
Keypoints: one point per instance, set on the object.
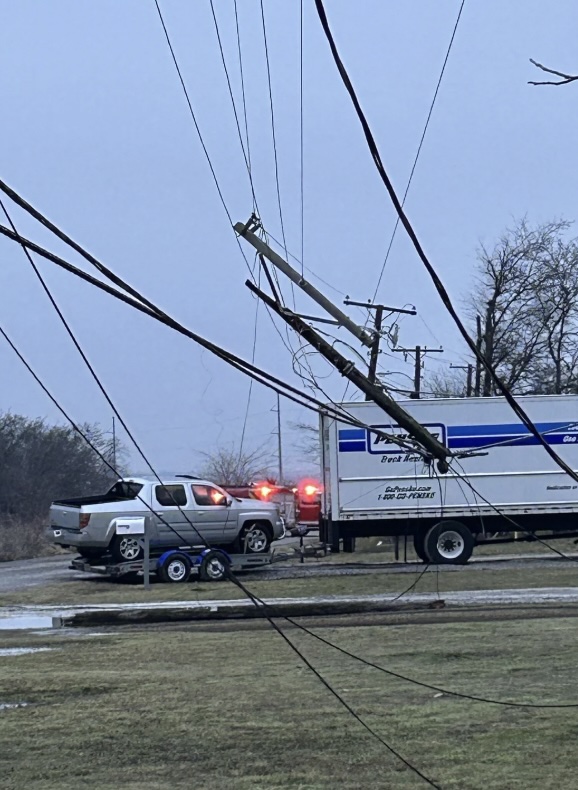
(566, 78)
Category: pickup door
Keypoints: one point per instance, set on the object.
(176, 505)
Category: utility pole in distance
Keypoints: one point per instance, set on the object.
(418, 351)
(469, 376)
(380, 309)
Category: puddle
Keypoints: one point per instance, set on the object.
(25, 621)
(10, 705)
(22, 651)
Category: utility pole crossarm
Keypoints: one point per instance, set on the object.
(347, 368)
(359, 332)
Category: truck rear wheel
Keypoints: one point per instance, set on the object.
(449, 543)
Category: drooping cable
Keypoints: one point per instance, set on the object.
(418, 152)
(518, 410)
(259, 604)
(143, 305)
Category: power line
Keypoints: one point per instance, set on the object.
(143, 305)
(423, 684)
(273, 127)
(449, 49)
(197, 127)
(243, 96)
(516, 407)
(301, 136)
(261, 606)
(224, 62)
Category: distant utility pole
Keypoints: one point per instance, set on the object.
(479, 343)
(347, 369)
(419, 351)
(279, 445)
(380, 309)
(114, 442)
(469, 376)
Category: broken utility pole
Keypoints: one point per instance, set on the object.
(347, 368)
(246, 231)
(418, 351)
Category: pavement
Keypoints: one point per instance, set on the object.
(43, 617)
(24, 574)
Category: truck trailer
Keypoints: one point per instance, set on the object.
(500, 480)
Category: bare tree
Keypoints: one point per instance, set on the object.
(508, 295)
(308, 442)
(229, 466)
(40, 463)
(445, 384)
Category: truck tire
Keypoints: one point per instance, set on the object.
(255, 538)
(449, 543)
(419, 546)
(175, 569)
(126, 548)
(349, 545)
(214, 567)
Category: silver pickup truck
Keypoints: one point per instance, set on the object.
(180, 512)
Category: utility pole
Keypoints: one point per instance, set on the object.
(279, 446)
(114, 442)
(246, 231)
(469, 376)
(347, 368)
(479, 340)
(488, 348)
(380, 309)
(418, 351)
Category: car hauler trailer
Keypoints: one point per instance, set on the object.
(500, 480)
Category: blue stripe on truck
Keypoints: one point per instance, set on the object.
(352, 447)
(352, 433)
(509, 429)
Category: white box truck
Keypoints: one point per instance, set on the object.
(500, 480)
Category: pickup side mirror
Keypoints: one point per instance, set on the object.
(228, 502)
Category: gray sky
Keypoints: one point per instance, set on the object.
(96, 133)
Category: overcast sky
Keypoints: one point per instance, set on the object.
(96, 133)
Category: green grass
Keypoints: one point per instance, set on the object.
(182, 707)
(101, 590)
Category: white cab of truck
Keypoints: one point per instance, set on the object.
(178, 512)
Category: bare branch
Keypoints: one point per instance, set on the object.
(566, 78)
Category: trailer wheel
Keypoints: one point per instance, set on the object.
(175, 569)
(214, 567)
(419, 546)
(449, 543)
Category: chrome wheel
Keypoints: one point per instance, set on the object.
(256, 540)
(215, 569)
(176, 570)
(450, 545)
(129, 548)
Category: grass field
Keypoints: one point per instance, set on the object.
(180, 707)
(102, 590)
